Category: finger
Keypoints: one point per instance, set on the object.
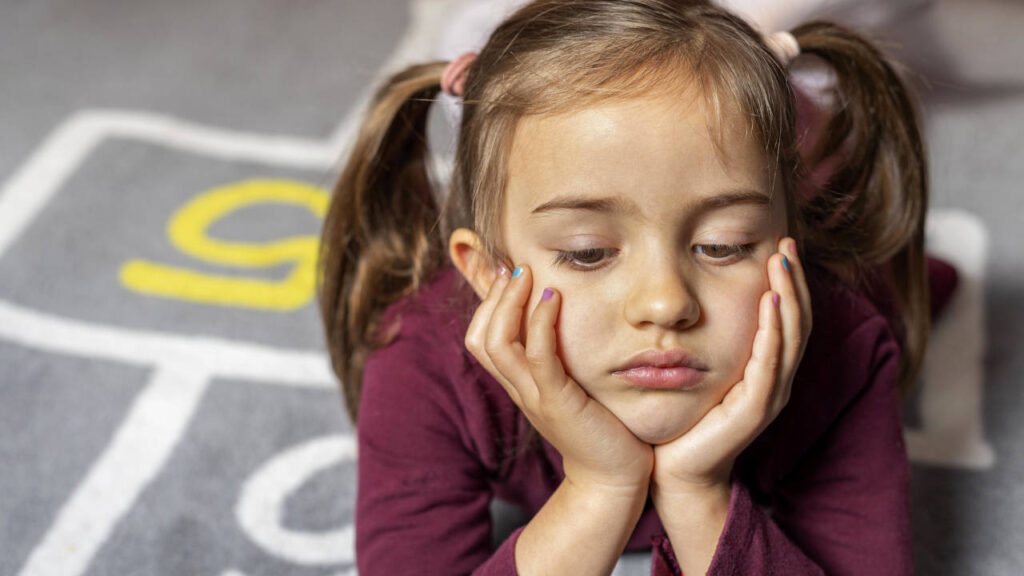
(502, 338)
(796, 269)
(762, 370)
(782, 281)
(477, 330)
(541, 345)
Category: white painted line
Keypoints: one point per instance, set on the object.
(32, 186)
(210, 141)
(213, 356)
(136, 454)
(261, 505)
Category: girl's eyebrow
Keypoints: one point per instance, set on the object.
(621, 205)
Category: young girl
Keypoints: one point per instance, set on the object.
(608, 320)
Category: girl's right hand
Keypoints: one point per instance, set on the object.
(596, 447)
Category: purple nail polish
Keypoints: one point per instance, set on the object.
(546, 295)
(775, 299)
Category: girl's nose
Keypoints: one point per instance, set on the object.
(662, 297)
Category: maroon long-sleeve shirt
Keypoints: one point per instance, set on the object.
(823, 490)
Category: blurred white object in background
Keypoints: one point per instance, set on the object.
(775, 15)
(469, 25)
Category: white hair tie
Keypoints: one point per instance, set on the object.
(783, 45)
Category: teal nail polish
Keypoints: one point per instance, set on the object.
(785, 263)
(517, 271)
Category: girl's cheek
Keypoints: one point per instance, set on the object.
(746, 323)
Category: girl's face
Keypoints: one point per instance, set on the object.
(654, 241)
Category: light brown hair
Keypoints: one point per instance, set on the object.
(385, 234)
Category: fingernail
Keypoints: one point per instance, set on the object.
(517, 271)
(792, 247)
(785, 263)
(775, 299)
(502, 271)
(546, 295)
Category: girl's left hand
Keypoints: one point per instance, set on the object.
(703, 457)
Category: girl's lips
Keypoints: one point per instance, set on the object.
(670, 377)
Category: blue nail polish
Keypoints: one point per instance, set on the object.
(785, 263)
(517, 271)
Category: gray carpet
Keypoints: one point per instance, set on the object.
(165, 403)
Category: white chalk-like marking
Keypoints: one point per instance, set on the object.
(952, 394)
(261, 505)
(135, 455)
(32, 185)
(214, 356)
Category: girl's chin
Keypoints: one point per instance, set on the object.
(650, 431)
(656, 418)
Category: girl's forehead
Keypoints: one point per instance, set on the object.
(657, 142)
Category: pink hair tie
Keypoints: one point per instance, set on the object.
(783, 45)
(453, 81)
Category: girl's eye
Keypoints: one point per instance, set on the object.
(724, 252)
(591, 259)
(584, 260)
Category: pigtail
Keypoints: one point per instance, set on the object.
(380, 240)
(868, 219)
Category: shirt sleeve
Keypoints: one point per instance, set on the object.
(845, 510)
(423, 499)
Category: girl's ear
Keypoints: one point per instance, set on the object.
(467, 253)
